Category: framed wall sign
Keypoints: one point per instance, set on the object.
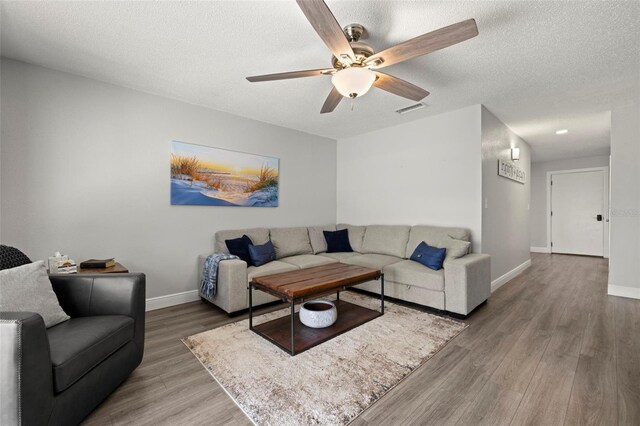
(207, 176)
(511, 171)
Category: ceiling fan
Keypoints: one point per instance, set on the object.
(355, 64)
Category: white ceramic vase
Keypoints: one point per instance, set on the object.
(318, 313)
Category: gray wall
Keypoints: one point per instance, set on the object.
(424, 172)
(538, 220)
(505, 210)
(624, 265)
(85, 170)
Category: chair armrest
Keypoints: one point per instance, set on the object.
(83, 295)
(26, 393)
(467, 282)
(232, 284)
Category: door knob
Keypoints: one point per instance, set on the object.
(599, 218)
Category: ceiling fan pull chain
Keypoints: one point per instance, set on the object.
(352, 101)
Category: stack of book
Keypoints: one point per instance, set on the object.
(67, 267)
(98, 263)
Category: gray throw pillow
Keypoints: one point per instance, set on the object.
(27, 289)
(455, 248)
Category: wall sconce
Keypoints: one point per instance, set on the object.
(515, 154)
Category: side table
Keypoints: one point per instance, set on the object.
(118, 268)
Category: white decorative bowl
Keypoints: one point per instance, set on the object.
(318, 313)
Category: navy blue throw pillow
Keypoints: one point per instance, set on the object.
(337, 241)
(240, 247)
(431, 257)
(262, 254)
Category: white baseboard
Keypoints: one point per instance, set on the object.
(622, 291)
(539, 250)
(172, 300)
(500, 281)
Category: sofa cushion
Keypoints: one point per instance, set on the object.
(290, 241)
(257, 236)
(274, 267)
(340, 256)
(27, 288)
(262, 254)
(240, 247)
(433, 235)
(80, 344)
(338, 241)
(375, 261)
(431, 257)
(386, 239)
(307, 260)
(412, 273)
(316, 237)
(356, 235)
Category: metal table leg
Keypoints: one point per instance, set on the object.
(293, 317)
(382, 293)
(250, 306)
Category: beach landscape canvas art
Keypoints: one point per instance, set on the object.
(207, 176)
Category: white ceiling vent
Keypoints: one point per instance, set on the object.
(411, 108)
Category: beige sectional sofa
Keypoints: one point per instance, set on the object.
(462, 285)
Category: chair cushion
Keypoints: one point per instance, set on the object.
(240, 247)
(338, 241)
(340, 256)
(386, 239)
(375, 261)
(274, 267)
(434, 236)
(257, 236)
(80, 344)
(356, 235)
(431, 257)
(412, 273)
(291, 241)
(307, 260)
(27, 288)
(316, 237)
(262, 254)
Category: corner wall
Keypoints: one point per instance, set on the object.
(85, 170)
(624, 264)
(505, 209)
(426, 171)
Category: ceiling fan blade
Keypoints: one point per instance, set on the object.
(287, 75)
(332, 101)
(327, 27)
(399, 87)
(426, 43)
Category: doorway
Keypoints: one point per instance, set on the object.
(578, 204)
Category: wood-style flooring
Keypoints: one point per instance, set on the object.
(549, 348)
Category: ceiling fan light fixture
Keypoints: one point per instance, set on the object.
(353, 82)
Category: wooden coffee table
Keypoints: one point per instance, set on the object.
(287, 332)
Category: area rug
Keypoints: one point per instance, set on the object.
(330, 384)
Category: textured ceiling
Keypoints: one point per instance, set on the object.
(538, 65)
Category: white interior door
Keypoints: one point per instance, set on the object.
(577, 212)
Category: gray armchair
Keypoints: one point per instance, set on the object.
(57, 376)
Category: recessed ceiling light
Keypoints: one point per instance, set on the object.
(562, 132)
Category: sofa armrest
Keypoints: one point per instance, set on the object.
(26, 394)
(467, 282)
(232, 284)
(82, 295)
